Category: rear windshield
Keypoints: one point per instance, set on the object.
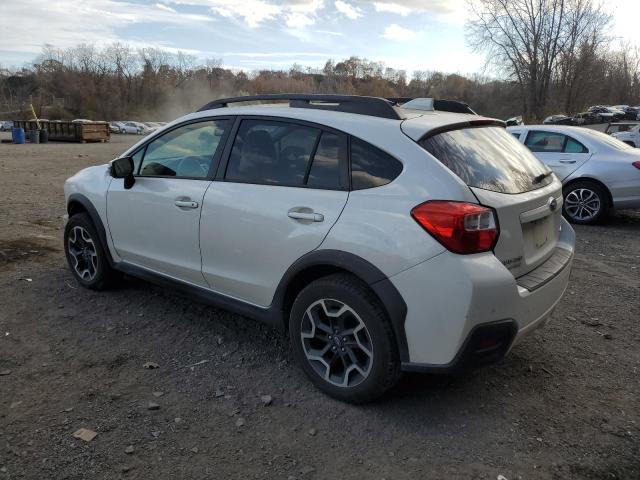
(609, 141)
(488, 158)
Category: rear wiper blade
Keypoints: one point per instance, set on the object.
(541, 177)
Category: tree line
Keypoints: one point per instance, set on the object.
(550, 56)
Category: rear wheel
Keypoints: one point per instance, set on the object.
(585, 202)
(343, 340)
(630, 143)
(86, 255)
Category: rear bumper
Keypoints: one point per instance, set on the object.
(453, 300)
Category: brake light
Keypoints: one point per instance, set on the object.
(636, 164)
(461, 227)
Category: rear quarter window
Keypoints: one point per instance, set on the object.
(489, 158)
(370, 166)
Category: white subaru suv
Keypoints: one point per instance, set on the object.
(384, 235)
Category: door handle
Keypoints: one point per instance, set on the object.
(309, 216)
(186, 204)
(567, 161)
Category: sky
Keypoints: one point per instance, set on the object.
(257, 34)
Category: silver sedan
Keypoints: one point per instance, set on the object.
(597, 171)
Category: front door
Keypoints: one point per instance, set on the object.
(285, 186)
(155, 224)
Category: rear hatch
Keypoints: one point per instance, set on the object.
(505, 176)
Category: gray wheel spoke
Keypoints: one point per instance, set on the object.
(83, 253)
(582, 204)
(336, 343)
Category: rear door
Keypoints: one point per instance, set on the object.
(504, 175)
(560, 152)
(284, 185)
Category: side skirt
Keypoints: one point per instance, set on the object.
(203, 295)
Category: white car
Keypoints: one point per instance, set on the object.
(382, 238)
(630, 136)
(116, 127)
(598, 172)
(133, 128)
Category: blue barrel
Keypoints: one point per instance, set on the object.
(17, 134)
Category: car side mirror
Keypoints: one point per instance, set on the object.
(123, 168)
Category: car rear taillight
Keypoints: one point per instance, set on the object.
(636, 164)
(461, 227)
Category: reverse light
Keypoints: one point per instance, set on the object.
(636, 164)
(461, 227)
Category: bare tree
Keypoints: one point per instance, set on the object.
(526, 39)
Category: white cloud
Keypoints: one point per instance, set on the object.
(397, 33)
(296, 13)
(329, 32)
(298, 20)
(166, 8)
(392, 8)
(69, 23)
(253, 12)
(431, 6)
(347, 9)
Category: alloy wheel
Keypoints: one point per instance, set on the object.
(83, 252)
(582, 204)
(336, 343)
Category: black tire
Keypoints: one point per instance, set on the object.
(100, 274)
(383, 365)
(585, 189)
(630, 143)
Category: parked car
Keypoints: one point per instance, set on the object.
(598, 172)
(382, 238)
(630, 135)
(116, 127)
(620, 127)
(632, 113)
(607, 114)
(6, 125)
(514, 121)
(586, 118)
(149, 127)
(134, 128)
(557, 120)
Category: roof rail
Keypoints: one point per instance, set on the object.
(373, 106)
(441, 105)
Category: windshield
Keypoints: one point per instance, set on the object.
(489, 158)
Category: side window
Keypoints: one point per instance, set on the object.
(271, 152)
(545, 142)
(370, 166)
(187, 151)
(516, 135)
(574, 146)
(325, 169)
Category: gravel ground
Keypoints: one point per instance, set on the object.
(564, 405)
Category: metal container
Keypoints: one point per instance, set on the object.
(17, 135)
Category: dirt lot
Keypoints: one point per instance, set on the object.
(564, 405)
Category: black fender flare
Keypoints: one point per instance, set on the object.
(391, 299)
(95, 218)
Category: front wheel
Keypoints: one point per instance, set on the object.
(86, 255)
(343, 340)
(585, 202)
